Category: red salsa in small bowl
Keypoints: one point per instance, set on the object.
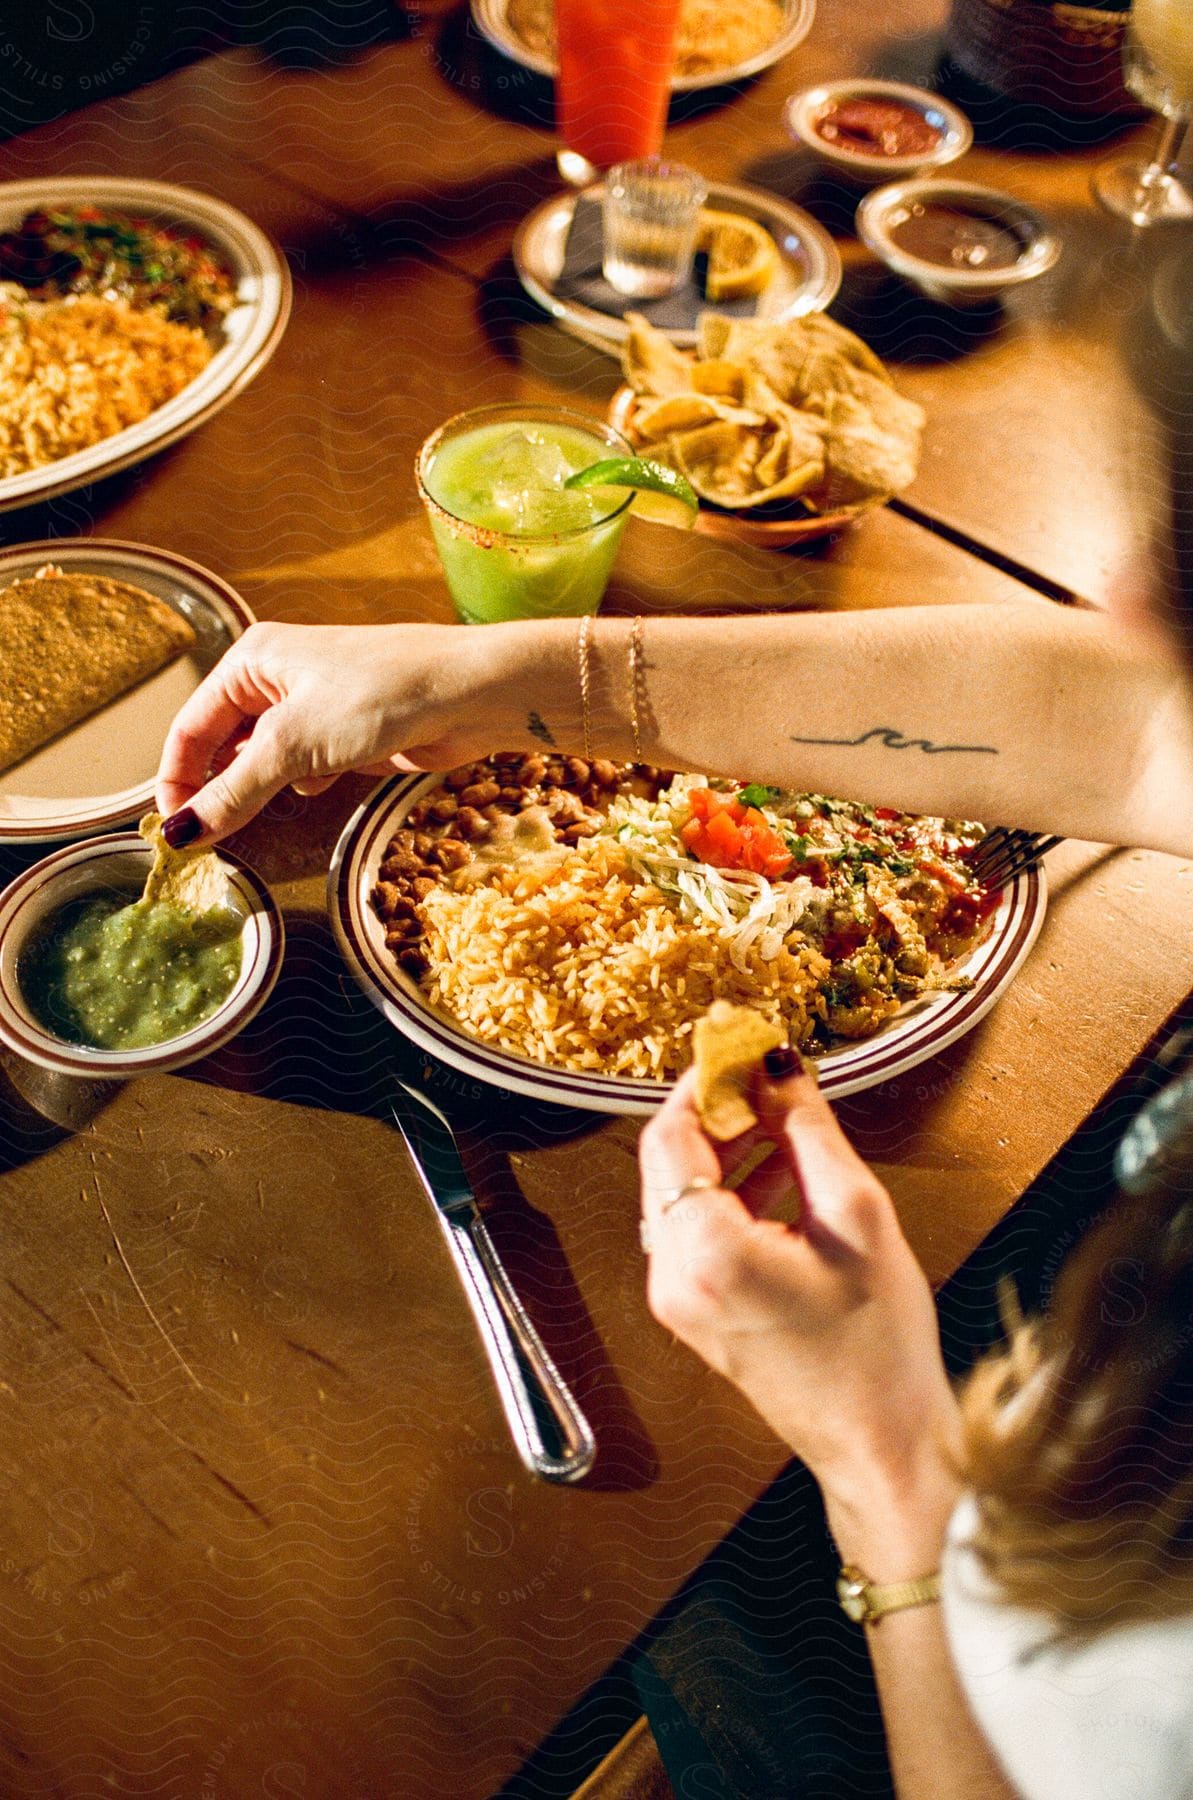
(878, 127)
(870, 131)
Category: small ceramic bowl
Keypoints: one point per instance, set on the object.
(881, 213)
(801, 112)
(122, 862)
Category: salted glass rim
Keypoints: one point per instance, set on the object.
(474, 416)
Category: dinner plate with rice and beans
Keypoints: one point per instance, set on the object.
(130, 312)
(556, 926)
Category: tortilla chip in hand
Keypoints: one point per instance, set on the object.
(192, 879)
(729, 1042)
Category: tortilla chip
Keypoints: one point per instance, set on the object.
(719, 376)
(799, 357)
(651, 363)
(69, 644)
(683, 412)
(869, 454)
(797, 444)
(712, 334)
(719, 461)
(191, 879)
(728, 1044)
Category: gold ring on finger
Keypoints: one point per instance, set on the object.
(700, 1184)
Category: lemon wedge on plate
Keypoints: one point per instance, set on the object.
(661, 494)
(742, 254)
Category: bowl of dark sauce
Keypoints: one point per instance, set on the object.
(959, 243)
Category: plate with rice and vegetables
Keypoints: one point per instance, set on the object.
(557, 927)
(130, 312)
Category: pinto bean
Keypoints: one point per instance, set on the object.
(422, 885)
(424, 843)
(471, 824)
(480, 793)
(581, 828)
(386, 899)
(556, 775)
(450, 853)
(413, 961)
(564, 807)
(604, 773)
(511, 796)
(399, 863)
(576, 770)
(444, 809)
(531, 770)
(416, 816)
(459, 778)
(400, 931)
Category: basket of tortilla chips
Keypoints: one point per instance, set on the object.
(787, 429)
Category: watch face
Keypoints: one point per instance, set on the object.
(851, 1592)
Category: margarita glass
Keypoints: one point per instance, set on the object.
(513, 541)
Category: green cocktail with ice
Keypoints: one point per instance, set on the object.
(513, 541)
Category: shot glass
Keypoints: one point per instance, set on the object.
(651, 211)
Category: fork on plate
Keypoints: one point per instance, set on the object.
(1003, 855)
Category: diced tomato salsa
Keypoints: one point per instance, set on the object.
(723, 832)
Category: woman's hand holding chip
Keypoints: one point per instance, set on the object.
(302, 704)
(827, 1325)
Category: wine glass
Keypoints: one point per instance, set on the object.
(1158, 69)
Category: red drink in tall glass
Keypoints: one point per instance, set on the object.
(614, 76)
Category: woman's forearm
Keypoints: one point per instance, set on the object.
(895, 1533)
(936, 1749)
(1038, 716)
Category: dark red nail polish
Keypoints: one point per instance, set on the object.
(182, 828)
(781, 1063)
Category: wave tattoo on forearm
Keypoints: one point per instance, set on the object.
(891, 739)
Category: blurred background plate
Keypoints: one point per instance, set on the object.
(807, 278)
(921, 1029)
(251, 331)
(100, 773)
(492, 18)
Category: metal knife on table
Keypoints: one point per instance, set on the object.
(538, 1404)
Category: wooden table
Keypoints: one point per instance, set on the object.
(263, 1528)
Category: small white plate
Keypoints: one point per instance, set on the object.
(492, 18)
(920, 1030)
(100, 773)
(251, 331)
(807, 278)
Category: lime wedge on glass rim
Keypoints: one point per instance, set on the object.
(661, 495)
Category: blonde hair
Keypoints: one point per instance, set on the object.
(1078, 1434)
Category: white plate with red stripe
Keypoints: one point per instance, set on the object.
(100, 773)
(250, 333)
(922, 1029)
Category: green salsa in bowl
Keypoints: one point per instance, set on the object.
(96, 981)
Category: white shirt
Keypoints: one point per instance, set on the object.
(1109, 1720)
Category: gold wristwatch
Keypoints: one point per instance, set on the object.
(863, 1601)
